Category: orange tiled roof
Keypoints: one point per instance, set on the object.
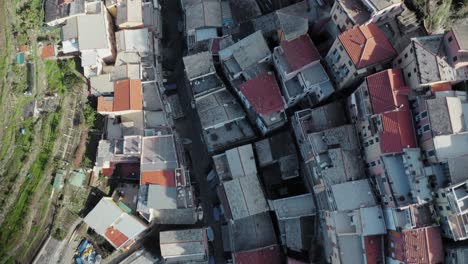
(115, 236)
(105, 104)
(387, 91)
(48, 51)
(366, 45)
(440, 87)
(162, 177)
(128, 95)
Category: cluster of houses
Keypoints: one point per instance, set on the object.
(337, 131)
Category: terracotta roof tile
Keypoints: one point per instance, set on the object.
(105, 104)
(398, 131)
(267, 255)
(48, 51)
(366, 45)
(387, 91)
(440, 87)
(115, 236)
(299, 52)
(423, 245)
(128, 95)
(263, 94)
(162, 177)
(373, 249)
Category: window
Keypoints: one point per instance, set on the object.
(335, 51)
(447, 207)
(455, 58)
(426, 128)
(399, 61)
(450, 39)
(373, 164)
(341, 48)
(376, 139)
(424, 114)
(431, 153)
(443, 195)
(409, 74)
(406, 55)
(411, 50)
(441, 208)
(436, 195)
(414, 70)
(335, 17)
(350, 63)
(371, 142)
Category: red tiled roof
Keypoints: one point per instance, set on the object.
(128, 95)
(398, 131)
(263, 94)
(423, 245)
(48, 51)
(387, 91)
(299, 52)
(373, 249)
(115, 236)
(440, 87)
(105, 104)
(108, 171)
(366, 45)
(162, 177)
(215, 46)
(267, 255)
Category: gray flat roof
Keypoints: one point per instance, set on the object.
(129, 225)
(439, 116)
(151, 97)
(103, 215)
(159, 153)
(198, 65)
(295, 206)
(101, 84)
(183, 245)
(126, 71)
(247, 51)
(133, 40)
(353, 195)
(70, 29)
(372, 221)
(345, 165)
(206, 85)
(351, 249)
(202, 13)
(459, 30)
(53, 10)
(92, 32)
(162, 197)
(241, 161)
(252, 232)
(245, 197)
(293, 20)
(129, 11)
(343, 137)
(217, 108)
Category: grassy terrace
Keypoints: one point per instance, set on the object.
(12, 225)
(27, 159)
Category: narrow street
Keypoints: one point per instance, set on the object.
(189, 127)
